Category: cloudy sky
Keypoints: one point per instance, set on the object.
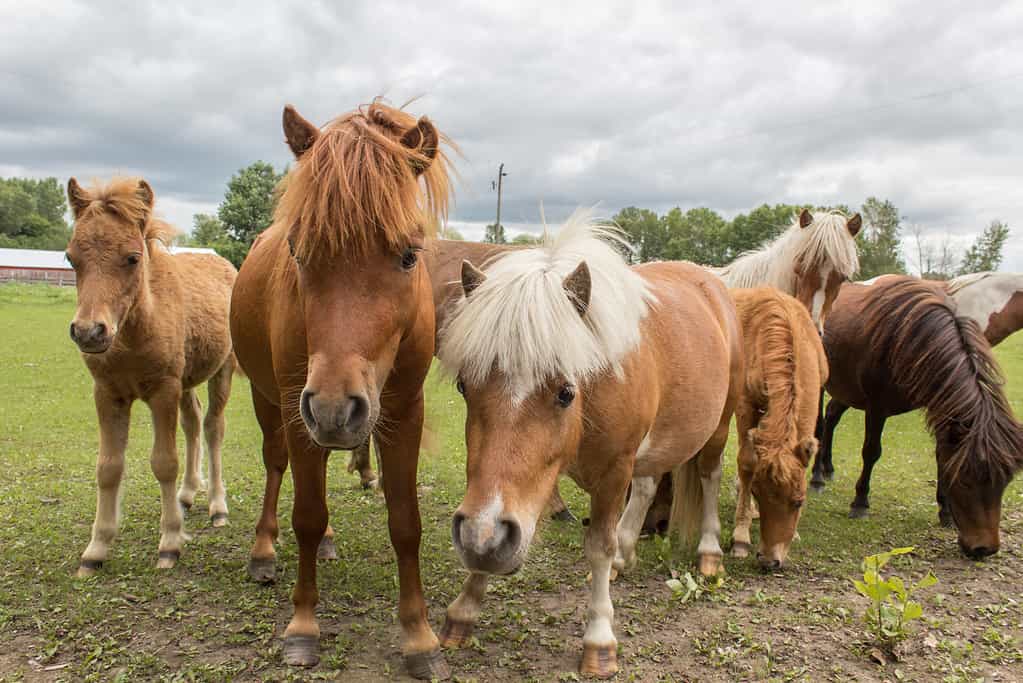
(718, 104)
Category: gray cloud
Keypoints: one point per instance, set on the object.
(628, 104)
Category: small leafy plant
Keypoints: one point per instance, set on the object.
(891, 605)
(686, 588)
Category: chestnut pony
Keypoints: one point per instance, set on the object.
(898, 345)
(776, 417)
(332, 320)
(150, 326)
(571, 361)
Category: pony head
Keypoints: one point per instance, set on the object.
(779, 486)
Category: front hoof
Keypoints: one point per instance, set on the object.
(371, 484)
(218, 519)
(428, 665)
(301, 651)
(817, 486)
(167, 559)
(263, 569)
(185, 504)
(87, 568)
(599, 660)
(740, 549)
(710, 565)
(455, 634)
(858, 512)
(327, 549)
(564, 515)
(829, 475)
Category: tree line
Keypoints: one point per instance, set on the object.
(32, 215)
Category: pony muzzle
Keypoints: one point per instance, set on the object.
(337, 422)
(489, 544)
(92, 336)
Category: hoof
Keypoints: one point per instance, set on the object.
(710, 565)
(428, 665)
(263, 569)
(327, 549)
(817, 486)
(858, 512)
(218, 519)
(87, 568)
(564, 515)
(599, 660)
(167, 559)
(455, 634)
(185, 505)
(828, 476)
(301, 650)
(371, 484)
(945, 520)
(740, 549)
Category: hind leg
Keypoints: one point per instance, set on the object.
(709, 463)
(823, 469)
(263, 557)
(191, 413)
(219, 388)
(871, 454)
(629, 526)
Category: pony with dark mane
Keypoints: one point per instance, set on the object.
(899, 345)
(332, 319)
(151, 325)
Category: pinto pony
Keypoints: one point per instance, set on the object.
(332, 320)
(993, 300)
(571, 361)
(899, 345)
(150, 326)
(776, 418)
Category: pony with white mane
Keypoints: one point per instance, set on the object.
(994, 300)
(571, 361)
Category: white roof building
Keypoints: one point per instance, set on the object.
(54, 260)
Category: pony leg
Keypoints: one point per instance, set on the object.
(871, 454)
(191, 413)
(399, 454)
(631, 523)
(600, 647)
(823, 469)
(164, 462)
(114, 419)
(263, 557)
(327, 550)
(360, 461)
(709, 464)
(557, 509)
(463, 613)
(219, 391)
(309, 520)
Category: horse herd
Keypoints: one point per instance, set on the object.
(570, 360)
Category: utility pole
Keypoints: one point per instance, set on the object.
(500, 176)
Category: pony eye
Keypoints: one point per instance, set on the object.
(460, 385)
(566, 395)
(131, 260)
(797, 503)
(409, 258)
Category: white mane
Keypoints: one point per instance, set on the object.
(521, 322)
(963, 281)
(825, 240)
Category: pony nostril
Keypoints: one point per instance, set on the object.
(510, 534)
(305, 408)
(99, 331)
(74, 336)
(356, 412)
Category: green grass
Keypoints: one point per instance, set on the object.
(204, 621)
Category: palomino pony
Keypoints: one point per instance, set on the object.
(332, 319)
(151, 326)
(570, 360)
(444, 261)
(899, 345)
(776, 417)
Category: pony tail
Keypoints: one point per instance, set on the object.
(686, 501)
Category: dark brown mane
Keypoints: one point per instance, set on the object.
(944, 363)
(358, 180)
(121, 198)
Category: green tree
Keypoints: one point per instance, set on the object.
(32, 214)
(527, 239)
(764, 223)
(446, 232)
(879, 242)
(495, 234)
(986, 251)
(644, 231)
(698, 235)
(207, 230)
(248, 205)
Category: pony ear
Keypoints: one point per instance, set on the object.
(854, 224)
(806, 449)
(145, 193)
(805, 218)
(421, 139)
(472, 277)
(299, 133)
(77, 197)
(577, 284)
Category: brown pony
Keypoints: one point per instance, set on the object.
(151, 326)
(332, 319)
(570, 361)
(776, 417)
(898, 345)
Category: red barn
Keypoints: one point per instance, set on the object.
(37, 265)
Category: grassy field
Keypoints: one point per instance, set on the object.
(205, 621)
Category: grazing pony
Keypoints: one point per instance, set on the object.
(151, 326)
(332, 320)
(776, 417)
(898, 345)
(571, 361)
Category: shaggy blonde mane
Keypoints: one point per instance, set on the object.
(521, 322)
(825, 240)
(357, 181)
(121, 199)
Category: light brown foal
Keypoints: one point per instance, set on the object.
(150, 326)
